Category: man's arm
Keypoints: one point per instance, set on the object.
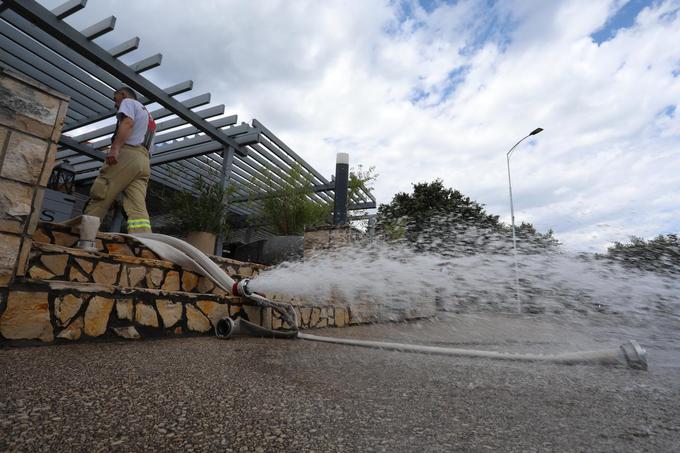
(123, 133)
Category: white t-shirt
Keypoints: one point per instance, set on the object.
(140, 117)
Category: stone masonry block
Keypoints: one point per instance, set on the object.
(245, 271)
(205, 285)
(74, 275)
(219, 291)
(253, 313)
(146, 253)
(124, 309)
(128, 332)
(106, 273)
(171, 312)
(40, 236)
(9, 254)
(316, 315)
(266, 318)
(25, 108)
(146, 315)
(276, 323)
(66, 307)
(171, 282)
(213, 310)
(85, 265)
(196, 320)
(341, 317)
(154, 277)
(97, 316)
(64, 239)
(15, 206)
(124, 280)
(55, 263)
(136, 275)
(189, 281)
(38, 273)
(305, 315)
(27, 316)
(115, 248)
(24, 158)
(73, 331)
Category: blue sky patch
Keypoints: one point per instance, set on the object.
(676, 72)
(438, 94)
(623, 18)
(668, 111)
(454, 79)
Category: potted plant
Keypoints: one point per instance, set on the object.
(201, 214)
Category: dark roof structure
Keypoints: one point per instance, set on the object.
(193, 138)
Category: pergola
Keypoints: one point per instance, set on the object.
(193, 139)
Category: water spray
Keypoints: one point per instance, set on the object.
(179, 252)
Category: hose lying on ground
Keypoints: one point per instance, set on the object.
(629, 353)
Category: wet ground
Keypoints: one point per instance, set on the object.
(204, 394)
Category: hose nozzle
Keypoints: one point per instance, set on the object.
(241, 288)
(635, 355)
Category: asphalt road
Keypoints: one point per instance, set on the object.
(248, 394)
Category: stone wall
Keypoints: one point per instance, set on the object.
(327, 237)
(31, 117)
(50, 311)
(64, 311)
(125, 290)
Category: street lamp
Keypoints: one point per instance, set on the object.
(512, 216)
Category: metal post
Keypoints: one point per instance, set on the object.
(514, 240)
(225, 173)
(512, 216)
(341, 185)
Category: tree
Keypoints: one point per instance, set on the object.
(661, 254)
(360, 180)
(533, 239)
(436, 218)
(288, 206)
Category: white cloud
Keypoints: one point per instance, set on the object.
(344, 76)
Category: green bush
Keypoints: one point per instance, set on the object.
(205, 209)
(289, 207)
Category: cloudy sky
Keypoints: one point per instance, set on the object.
(436, 89)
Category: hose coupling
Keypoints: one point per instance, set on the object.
(241, 288)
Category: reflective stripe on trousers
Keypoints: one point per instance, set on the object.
(138, 224)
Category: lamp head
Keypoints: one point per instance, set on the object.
(536, 131)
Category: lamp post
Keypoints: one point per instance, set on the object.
(512, 216)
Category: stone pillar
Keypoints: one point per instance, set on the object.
(327, 238)
(31, 116)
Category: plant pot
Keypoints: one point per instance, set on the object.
(203, 241)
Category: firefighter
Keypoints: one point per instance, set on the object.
(127, 167)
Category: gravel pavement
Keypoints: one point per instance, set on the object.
(249, 394)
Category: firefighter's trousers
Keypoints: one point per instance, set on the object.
(130, 175)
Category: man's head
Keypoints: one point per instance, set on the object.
(123, 93)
